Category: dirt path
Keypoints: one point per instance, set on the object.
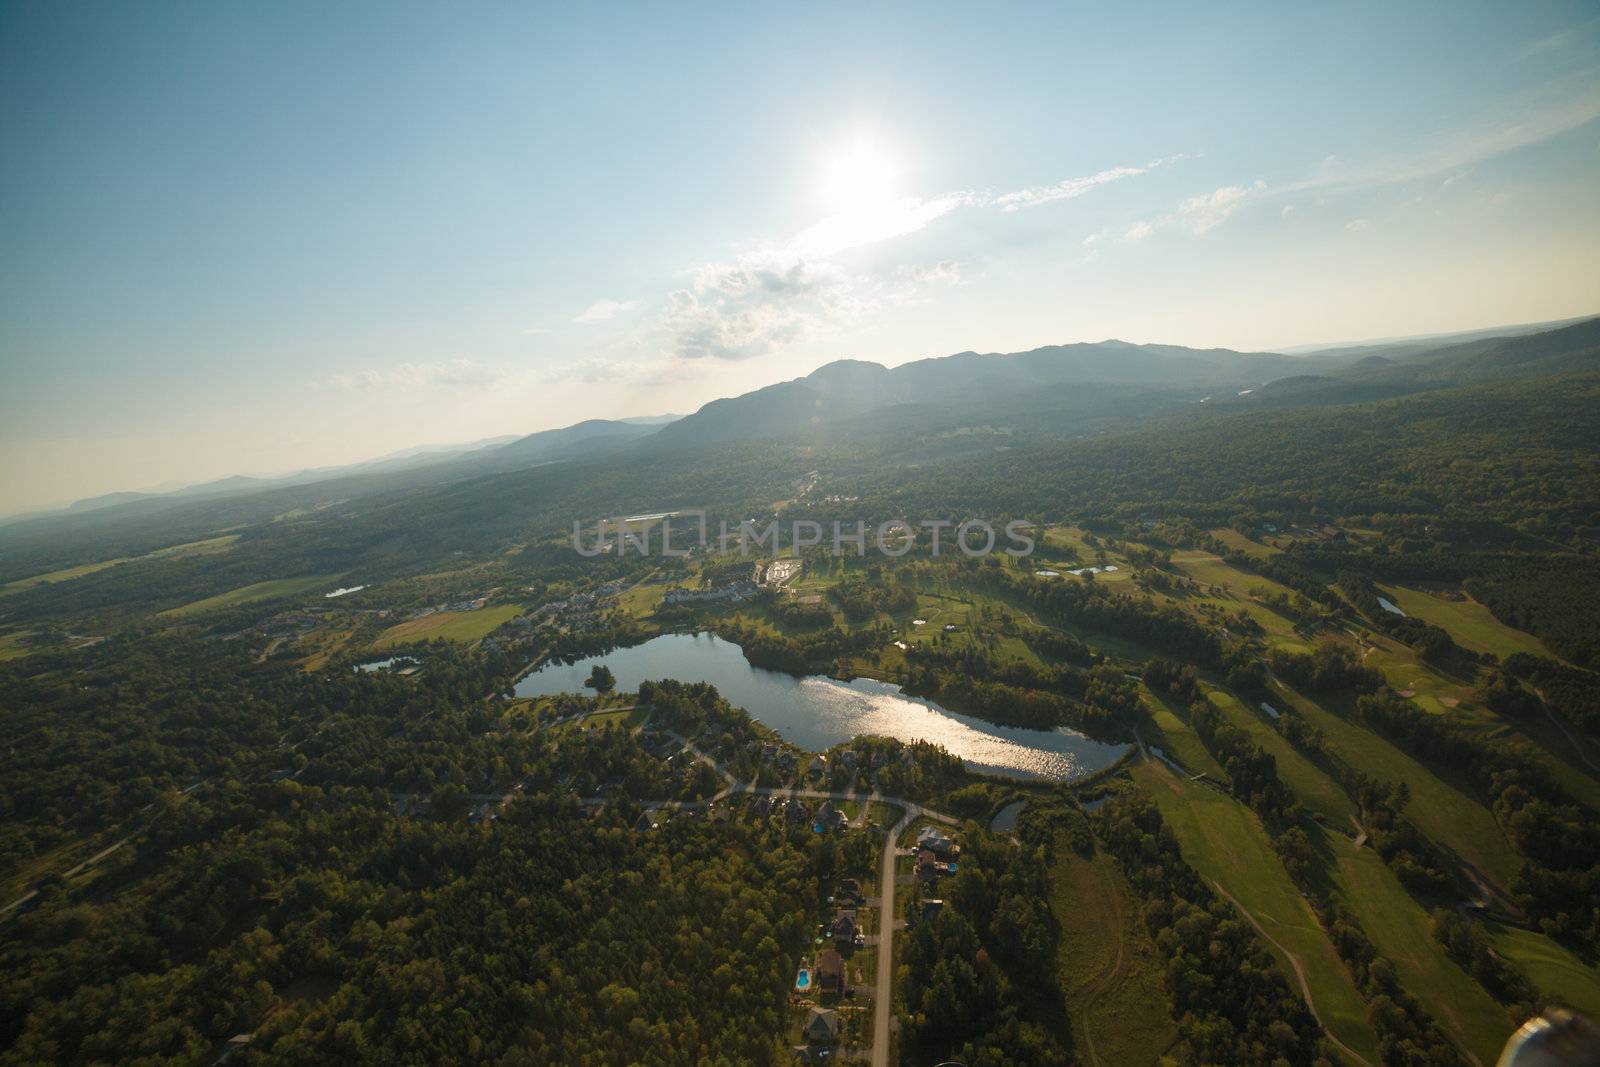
(1299, 972)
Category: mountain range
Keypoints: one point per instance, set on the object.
(1070, 389)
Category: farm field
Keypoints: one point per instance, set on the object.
(249, 594)
(461, 626)
(1222, 840)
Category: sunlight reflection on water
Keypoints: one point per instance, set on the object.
(817, 713)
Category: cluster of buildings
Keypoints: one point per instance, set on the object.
(580, 610)
(733, 592)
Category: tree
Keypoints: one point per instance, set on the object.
(601, 680)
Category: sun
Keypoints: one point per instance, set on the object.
(860, 175)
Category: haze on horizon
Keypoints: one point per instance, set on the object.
(257, 240)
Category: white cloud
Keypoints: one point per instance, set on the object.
(534, 331)
(1073, 188)
(1357, 226)
(1198, 215)
(603, 310)
(1202, 214)
(745, 309)
(1139, 231)
(458, 373)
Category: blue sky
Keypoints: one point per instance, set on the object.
(257, 238)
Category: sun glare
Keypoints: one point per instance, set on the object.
(857, 176)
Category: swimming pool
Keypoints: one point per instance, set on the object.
(802, 981)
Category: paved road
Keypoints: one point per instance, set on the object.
(883, 1003)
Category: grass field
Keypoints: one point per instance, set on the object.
(461, 626)
(1236, 540)
(1440, 810)
(1551, 968)
(1469, 622)
(1402, 931)
(1222, 840)
(249, 594)
(64, 575)
(1110, 970)
(642, 599)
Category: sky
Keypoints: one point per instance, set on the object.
(259, 238)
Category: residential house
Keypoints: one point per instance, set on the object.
(831, 818)
(934, 839)
(845, 929)
(822, 1027)
(931, 910)
(927, 865)
(830, 972)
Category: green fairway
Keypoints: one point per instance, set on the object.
(1469, 622)
(1440, 810)
(1409, 676)
(1403, 933)
(462, 626)
(1319, 793)
(1552, 969)
(1232, 589)
(250, 594)
(1222, 840)
(1179, 741)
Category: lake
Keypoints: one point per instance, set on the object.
(816, 713)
